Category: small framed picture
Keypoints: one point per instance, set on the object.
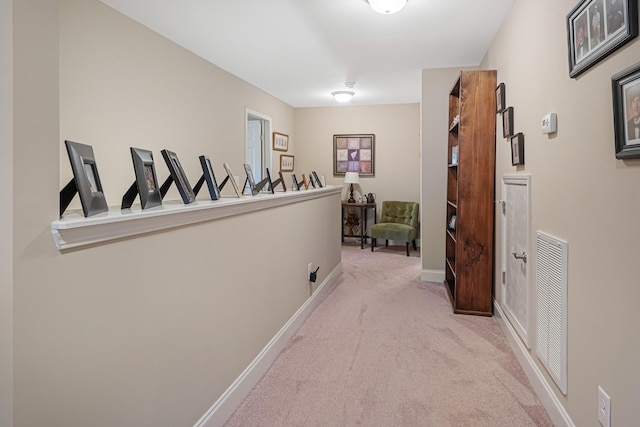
(86, 178)
(517, 149)
(507, 122)
(451, 225)
(286, 163)
(500, 97)
(179, 177)
(596, 28)
(210, 178)
(280, 141)
(248, 171)
(625, 87)
(235, 185)
(146, 178)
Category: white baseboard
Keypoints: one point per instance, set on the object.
(224, 407)
(432, 276)
(550, 401)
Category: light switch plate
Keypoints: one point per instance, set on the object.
(549, 123)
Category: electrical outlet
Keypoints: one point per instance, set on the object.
(604, 408)
(309, 270)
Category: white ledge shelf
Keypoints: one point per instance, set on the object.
(73, 230)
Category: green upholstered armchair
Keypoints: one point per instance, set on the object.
(398, 221)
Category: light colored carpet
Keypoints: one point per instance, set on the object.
(385, 349)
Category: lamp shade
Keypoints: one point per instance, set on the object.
(387, 7)
(351, 178)
(343, 95)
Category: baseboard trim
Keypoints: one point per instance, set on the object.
(224, 407)
(432, 276)
(550, 401)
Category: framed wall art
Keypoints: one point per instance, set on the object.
(517, 149)
(280, 141)
(86, 181)
(596, 28)
(179, 177)
(286, 163)
(507, 122)
(625, 87)
(500, 98)
(354, 153)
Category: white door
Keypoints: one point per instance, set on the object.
(516, 226)
(254, 147)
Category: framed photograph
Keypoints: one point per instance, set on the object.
(305, 182)
(146, 178)
(209, 177)
(179, 177)
(86, 179)
(315, 176)
(235, 185)
(507, 122)
(451, 224)
(286, 163)
(517, 149)
(252, 182)
(500, 97)
(625, 87)
(280, 141)
(596, 28)
(354, 153)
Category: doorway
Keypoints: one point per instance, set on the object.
(257, 142)
(516, 253)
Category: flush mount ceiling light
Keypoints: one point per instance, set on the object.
(343, 95)
(387, 7)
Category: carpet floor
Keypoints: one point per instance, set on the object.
(385, 349)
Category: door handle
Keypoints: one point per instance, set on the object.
(522, 257)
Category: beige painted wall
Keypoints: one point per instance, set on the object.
(148, 330)
(6, 213)
(581, 194)
(122, 85)
(397, 150)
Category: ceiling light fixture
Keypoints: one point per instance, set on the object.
(387, 7)
(343, 95)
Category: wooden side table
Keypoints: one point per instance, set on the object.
(363, 208)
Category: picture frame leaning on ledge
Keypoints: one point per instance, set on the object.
(86, 181)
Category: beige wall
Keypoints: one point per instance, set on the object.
(122, 85)
(397, 150)
(581, 194)
(148, 330)
(6, 213)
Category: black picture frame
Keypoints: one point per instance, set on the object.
(507, 122)
(597, 28)
(178, 176)
(209, 177)
(500, 98)
(86, 180)
(517, 149)
(146, 178)
(354, 153)
(625, 87)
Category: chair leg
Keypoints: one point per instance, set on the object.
(407, 248)
(373, 243)
(415, 248)
(386, 243)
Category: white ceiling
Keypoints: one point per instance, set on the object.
(301, 50)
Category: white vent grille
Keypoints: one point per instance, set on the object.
(551, 312)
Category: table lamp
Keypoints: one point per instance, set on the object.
(351, 178)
